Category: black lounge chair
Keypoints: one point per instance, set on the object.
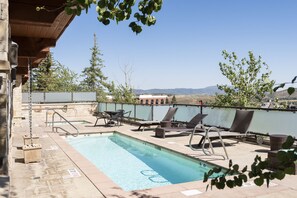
(119, 116)
(101, 115)
(165, 122)
(239, 128)
(190, 126)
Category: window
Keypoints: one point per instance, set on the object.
(146, 101)
(152, 101)
(162, 101)
(157, 101)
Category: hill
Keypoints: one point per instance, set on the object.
(284, 94)
(211, 90)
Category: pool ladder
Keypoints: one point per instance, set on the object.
(53, 123)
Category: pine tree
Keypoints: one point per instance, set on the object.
(94, 79)
(173, 100)
(44, 76)
(51, 75)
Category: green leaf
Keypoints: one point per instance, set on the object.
(259, 181)
(288, 143)
(230, 163)
(101, 3)
(291, 90)
(235, 167)
(230, 183)
(280, 175)
(282, 156)
(205, 177)
(294, 79)
(280, 86)
(244, 169)
(290, 170)
(220, 185)
(243, 177)
(217, 169)
(106, 14)
(106, 21)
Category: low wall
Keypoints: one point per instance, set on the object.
(65, 109)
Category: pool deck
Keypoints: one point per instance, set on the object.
(63, 172)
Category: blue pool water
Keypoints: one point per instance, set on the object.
(135, 165)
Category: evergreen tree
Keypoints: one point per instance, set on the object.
(94, 79)
(50, 75)
(66, 79)
(44, 76)
(173, 100)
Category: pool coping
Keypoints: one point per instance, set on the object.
(107, 187)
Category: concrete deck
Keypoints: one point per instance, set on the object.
(63, 172)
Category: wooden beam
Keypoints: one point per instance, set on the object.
(22, 70)
(25, 11)
(31, 47)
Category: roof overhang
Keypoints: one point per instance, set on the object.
(36, 31)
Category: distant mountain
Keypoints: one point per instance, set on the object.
(284, 94)
(211, 90)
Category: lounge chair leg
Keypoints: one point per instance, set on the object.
(96, 122)
(200, 142)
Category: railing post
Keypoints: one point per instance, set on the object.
(135, 111)
(201, 109)
(152, 112)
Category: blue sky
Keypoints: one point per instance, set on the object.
(183, 49)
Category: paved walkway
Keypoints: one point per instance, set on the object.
(63, 172)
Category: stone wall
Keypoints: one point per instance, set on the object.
(68, 110)
(4, 79)
(17, 100)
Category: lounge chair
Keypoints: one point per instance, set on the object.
(239, 128)
(119, 116)
(190, 126)
(101, 115)
(165, 122)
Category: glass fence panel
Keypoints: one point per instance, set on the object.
(118, 106)
(110, 106)
(265, 122)
(144, 112)
(37, 97)
(220, 117)
(129, 107)
(50, 97)
(58, 97)
(186, 113)
(101, 107)
(274, 122)
(84, 96)
(159, 112)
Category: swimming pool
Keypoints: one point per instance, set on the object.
(74, 122)
(136, 165)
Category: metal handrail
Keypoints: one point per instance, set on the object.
(64, 109)
(53, 121)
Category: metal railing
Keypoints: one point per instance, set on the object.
(53, 123)
(266, 121)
